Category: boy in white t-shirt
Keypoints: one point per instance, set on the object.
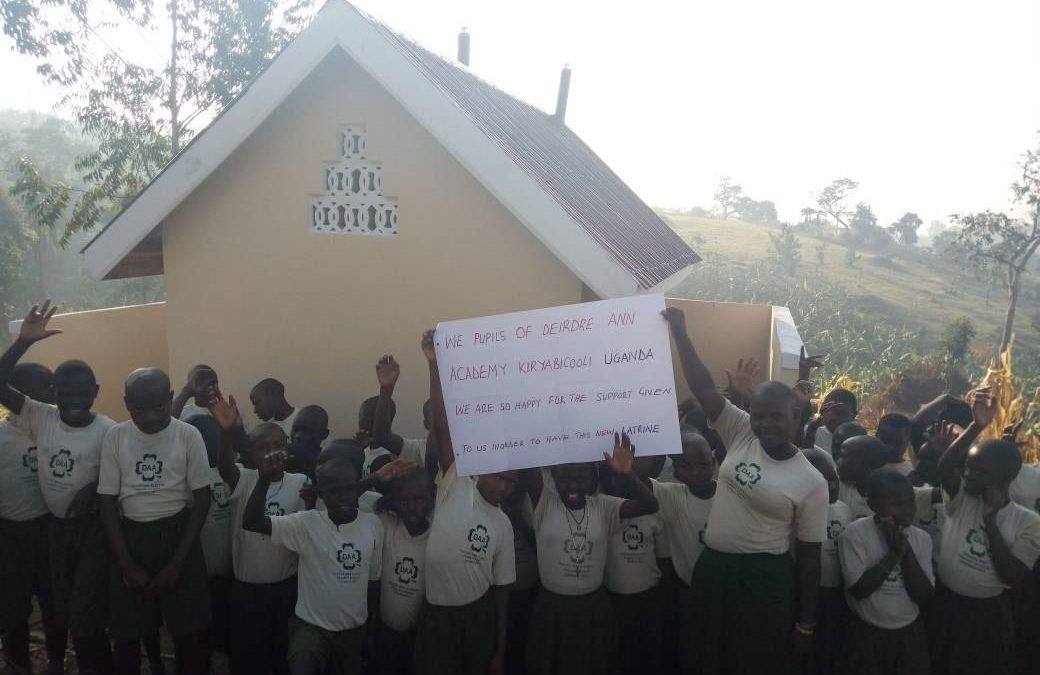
(989, 546)
(310, 430)
(894, 430)
(768, 494)
(470, 561)
(269, 404)
(829, 641)
(263, 594)
(860, 456)
(838, 407)
(340, 552)
(154, 492)
(194, 397)
(68, 437)
(887, 565)
(24, 521)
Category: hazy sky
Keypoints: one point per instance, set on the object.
(927, 104)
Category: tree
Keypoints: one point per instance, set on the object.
(809, 215)
(138, 115)
(1006, 242)
(754, 211)
(957, 337)
(727, 195)
(15, 243)
(785, 250)
(905, 229)
(832, 200)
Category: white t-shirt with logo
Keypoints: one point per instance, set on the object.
(760, 501)
(68, 458)
(153, 474)
(685, 518)
(255, 558)
(470, 547)
(632, 555)
(965, 562)
(371, 455)
(402, 586)
(856, 502)
(20, 496)
(191, 410)
(336, 564)
(215, 536)
(838, 519)
(863, 546)
(1025, 489)
(928, 516)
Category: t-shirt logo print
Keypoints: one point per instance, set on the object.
(149, 468)
(633, 537)
(578, 548)
(62, 463)
(834, 529)
(406, 570)
(275, 509)
(479, 539)
(978, 545)
(748, 473)
(348, 556)
(29, 460)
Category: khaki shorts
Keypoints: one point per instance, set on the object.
(330, 651)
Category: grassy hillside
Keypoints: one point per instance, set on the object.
(907, 286)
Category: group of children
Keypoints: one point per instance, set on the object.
(775, 539)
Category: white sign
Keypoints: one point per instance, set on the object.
(552, 386)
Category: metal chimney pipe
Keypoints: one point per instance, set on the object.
(561, 97)
(464, 46)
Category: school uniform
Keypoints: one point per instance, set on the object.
(469, 550)
(191, 410)
(974, 628)
(855, 500)
(263, 593)
(633, 579)
(402, 587)
(69, 459)
(928, 516)
(215, 539)
(153, 477)
(887, 634)
(684, 517)
(24, 520)
(1025, 491)
(825, 441)
(831, 612)
(524, 591)
(744, 581)
(573, 628)
(336, 563)
(286, 424)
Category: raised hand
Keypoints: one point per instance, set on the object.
(1011, 431)
(387, 371)
(743, 379)
(395, 469)
(676, 320)
(34, 326)
(943, 438)
(983, 406)
(624, 455)
(807, 363)
(272, 464)
(225, 412)
(428, 348)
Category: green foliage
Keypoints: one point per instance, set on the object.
(832, 200)
(905, 229)
(15, 243)
(754, 211)
(956, 339)
(785, 250)
(727, 195)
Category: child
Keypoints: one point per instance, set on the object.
(860, 455)
(68, 437)
(469, 561)
(843, 433)
(894, 431)
(364, 435)
(684, 509)
(216, 535)
(573, 627)
(310, 429)
(523, 592)
(24, 519)
(340, 553)
(839, 406)
(633, 577)
(748, 606)
(989, 546)
(269, 404)
(405, 512)
(200, 387)
(263, 593)
(413, 449)
(829, 641)
(887, 565)
(155, 475)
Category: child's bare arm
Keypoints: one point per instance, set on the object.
(254, 519)
(225, 412)
(445, 451)
(951, 463)
(696, 373)
(1010, 569)
(387, 372)
(34, 328)
(917, 584)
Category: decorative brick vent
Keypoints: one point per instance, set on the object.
(353, 202)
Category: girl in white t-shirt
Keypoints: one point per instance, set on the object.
(860, 455)
(573, 627)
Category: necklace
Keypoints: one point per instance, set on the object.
(579, 523)
(272, 495)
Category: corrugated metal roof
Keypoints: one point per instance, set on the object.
(563, 165)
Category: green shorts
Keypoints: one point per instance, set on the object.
(337, 652)
(184, 609)
(80, 566)
(24, 571)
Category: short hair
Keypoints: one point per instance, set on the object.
(269, 387)
(897, 421)
(343, 448)
(849, 430)
(26, 376)
(774, 392)
(819, 459)
(367, 412)
(1004, 452)
(209, 429)
(336, 467)
(690, 435)
(265, 429)
(845, 396)
(882, 481)
(317, 411)
(199, 368)
(73, 368)
(387, 504)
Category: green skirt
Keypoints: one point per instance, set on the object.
(971, 635)
(456, 640)
(572, 634)
(641, 635)
(880, 651)
(738, 614)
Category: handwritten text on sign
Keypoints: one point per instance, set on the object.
(551, 386)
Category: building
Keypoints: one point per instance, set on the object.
(359, 191)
